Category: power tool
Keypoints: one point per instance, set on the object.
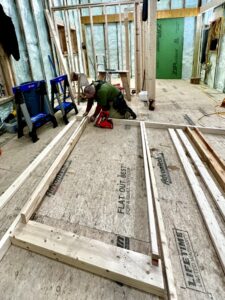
(103, 120)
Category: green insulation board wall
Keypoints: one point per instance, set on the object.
(169, 48)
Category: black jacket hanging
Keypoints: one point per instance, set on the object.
(145, 10)
(8, 38)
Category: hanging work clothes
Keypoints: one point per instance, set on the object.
(8, 38)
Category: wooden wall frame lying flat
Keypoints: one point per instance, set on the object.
(146, 276)
(94, 256)
(24, 234)
(215, 232)
(36, 199)
(13, 188)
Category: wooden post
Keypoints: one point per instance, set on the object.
(150, 72)
(58, 48)
(126, 23)
(121, 38)
(68, 41)
(196, 63)
(57, 63)
(82, 43)
(7, 72)
(93, 44)
(106, 38)
(138, 62)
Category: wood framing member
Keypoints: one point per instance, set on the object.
(38, 194)
(215, 163)
(93, 44)
(13, 188)
(178, 13)
(161, 14)
(127, 46)
(100, 4)
(210, 5)
(106, 35)
(151, 214)
(150, 70)
(196, 58)
(55, 39)
(68, 41)
(208, 216)
(121, 265)
(209, 182)
(138, 52)
(172, 294)
(111, 18)
(121, 36)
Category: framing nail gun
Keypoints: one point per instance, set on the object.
(103, 120)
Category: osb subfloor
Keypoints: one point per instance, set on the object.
(86, 201)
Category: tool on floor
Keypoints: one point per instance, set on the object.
(103, 120)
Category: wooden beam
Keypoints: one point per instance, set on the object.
(93, 43)
(55, 39)
(172, 294)
(178, 13)
(151, 211)
(215, 163)
(196, 57)
(214, 230)
(127, 45)
(121, 36)
(118, 264)
(83, 43)
(106, 35)
(40, 191)
(138, 52)
(210, 5)
(13, 188)
(5, 241)
(150, 71)
(71, 61)
(209, 182)
(68, 7)
(162, 14)
(111, 18)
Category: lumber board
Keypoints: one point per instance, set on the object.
(172, 293)
(209, 182)
(208, 216)
(122, 265)
(151, 213)
(13, 188)
(5, 241)
(215, 163)
(44, 184)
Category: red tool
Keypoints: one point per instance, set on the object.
(103, 120)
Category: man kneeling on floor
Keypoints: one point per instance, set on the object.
(108, 98)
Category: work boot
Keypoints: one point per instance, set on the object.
(132, 114)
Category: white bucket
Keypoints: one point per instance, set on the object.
(143, 96)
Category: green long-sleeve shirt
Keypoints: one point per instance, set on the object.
(106, 93)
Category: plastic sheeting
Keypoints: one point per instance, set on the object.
(188, 47)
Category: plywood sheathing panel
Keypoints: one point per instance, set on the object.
(180, 211)
(49, 279)
(89, 194)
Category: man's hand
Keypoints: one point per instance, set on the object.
(92, 118)
(85, 114)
